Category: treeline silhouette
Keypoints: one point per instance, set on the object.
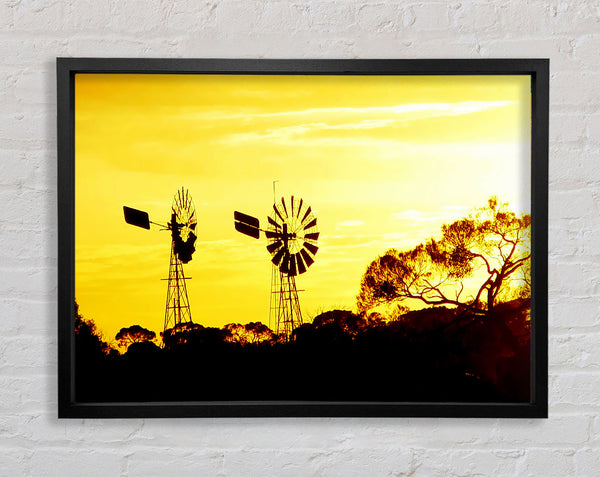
(435, 354)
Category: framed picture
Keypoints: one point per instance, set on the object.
(302, 237)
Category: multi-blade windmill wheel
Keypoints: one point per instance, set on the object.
(292, 237)
(183, 225)
(183, 237)
(292, 234)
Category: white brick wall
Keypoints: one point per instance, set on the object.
(34, 442)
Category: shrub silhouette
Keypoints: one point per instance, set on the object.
(132, 335)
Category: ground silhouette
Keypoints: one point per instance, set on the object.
(430, 355)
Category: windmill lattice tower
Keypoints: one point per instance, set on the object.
(292, 242)
(182, 226)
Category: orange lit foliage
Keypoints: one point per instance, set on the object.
(493, 243)
(249, 333)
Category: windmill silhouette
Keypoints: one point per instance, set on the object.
(182, 226)
(292, 237)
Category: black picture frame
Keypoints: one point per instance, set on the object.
(538, 69)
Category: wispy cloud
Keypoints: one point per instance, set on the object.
(447, 214)
(288, 134)
(418, 216)
(336, 119)
(410, 111)
(351, 223)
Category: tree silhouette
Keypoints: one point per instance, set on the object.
(88, 340)
(491, 244)
(134, 334)
(181, 334)
(344, 320)
(257, 332)
(250, 333)
(236, 333)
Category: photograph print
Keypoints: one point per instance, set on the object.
(302, 238)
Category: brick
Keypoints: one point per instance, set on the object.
(557, 49)
(163, 461)
(69, 461)
(28, 317)
(15, 462)
(15, 169)
(409, 46)
(333, 16)
(467, 462)
(379, 17)
(595, 430)
(573, 164)
(568, 127)
(23, 245)
(585, 50)
(572, 312)
(472, 16)
(137, 16)
(587, 93)
(593, 128)
(551, 18)
(265, 18)
(548, 462)
(22, 395)
(575, 17)
(23, 125)
(326, 463)
(44, 15)
(573, 204)
(516, 18)
(431, 16)
(392, 460)
(227, 433)
(566, 241)
(88, 15)
(275, 15)
(576, 389)
(26, 52)
(179, 17)
(587, 461)
(121, 47)
(36, 87)
(591, 242)
(575, 350)
(256, 463)
(27, 354)
(7, 15)
(560, 431)
(106, 432)
(28, 209)
(574, 279)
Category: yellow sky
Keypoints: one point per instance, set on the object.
(383, 161)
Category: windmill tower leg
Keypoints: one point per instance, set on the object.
(274, 299)
(288, 311)
(177, 309)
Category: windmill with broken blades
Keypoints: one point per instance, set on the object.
(292, 242)
(182, 226)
